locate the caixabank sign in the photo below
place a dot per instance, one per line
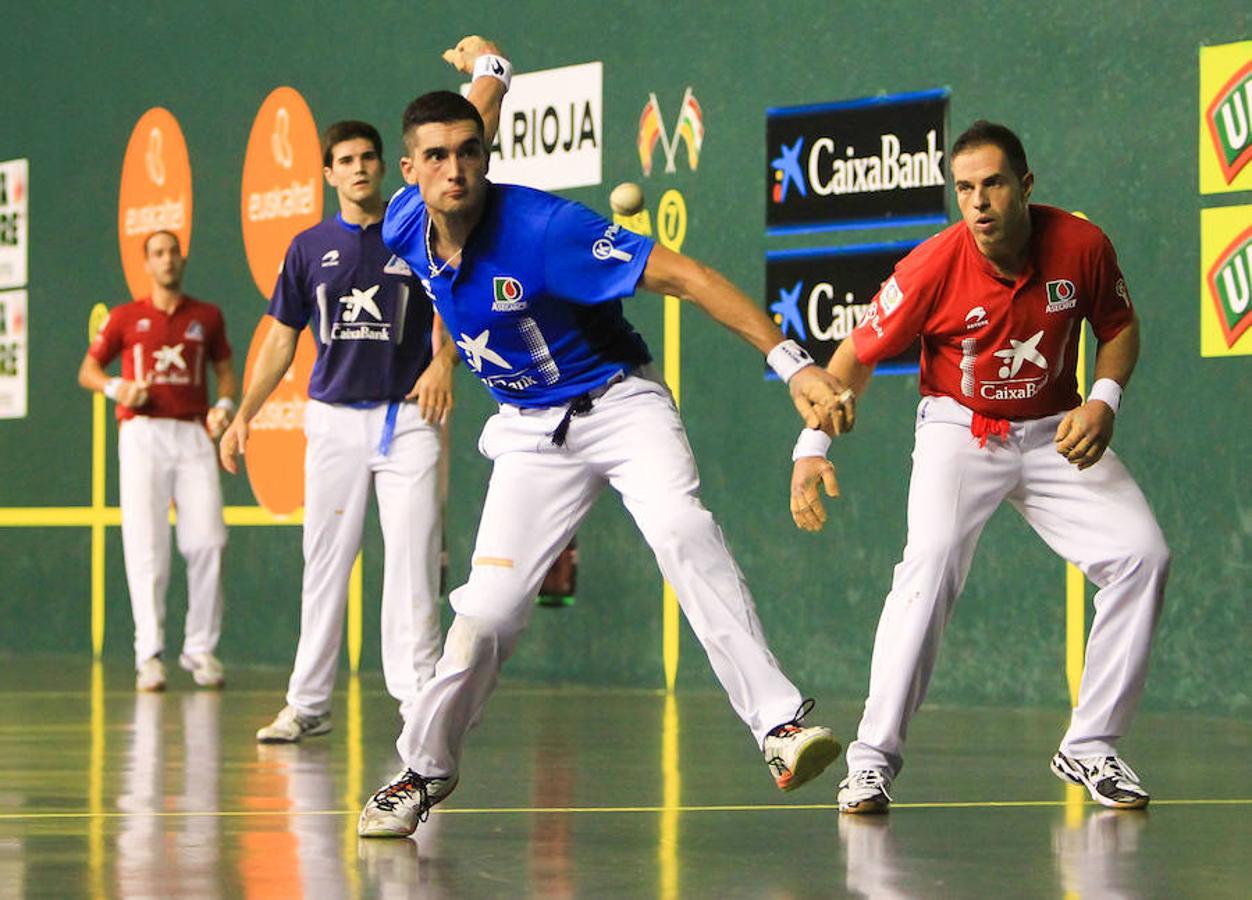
(857, 163)
(818, 296)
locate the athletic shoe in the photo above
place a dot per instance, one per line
(795, 754)
(1108, 779)
(205, 668)
(397, 808)
(864, 791)
(150, 676)
(289, 727)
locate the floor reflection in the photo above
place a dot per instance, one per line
(160, 854)
(1100, 856)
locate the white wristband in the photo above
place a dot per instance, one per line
(111, 387)
(788, 358)
(1108, 390)
(811, 442)
(225, 403)
(491, 66)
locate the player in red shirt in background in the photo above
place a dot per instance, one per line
(167, 341)
(998, 301)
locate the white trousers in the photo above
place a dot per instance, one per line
(1097, 519)
(341, 461)
(163, 461)
(632, 440)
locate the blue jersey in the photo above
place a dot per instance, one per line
(535, 304)
(370, 317)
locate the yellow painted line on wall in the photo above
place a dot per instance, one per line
(1075, 583)
(671, 230)
(354, 615)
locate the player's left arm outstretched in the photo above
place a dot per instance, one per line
(817, 395)
(1085, 432)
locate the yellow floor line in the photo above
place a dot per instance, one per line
(565, 810)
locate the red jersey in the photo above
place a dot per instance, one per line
(169, 350)
(1003, 348)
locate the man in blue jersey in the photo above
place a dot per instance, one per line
(529, 288)
(372, 323)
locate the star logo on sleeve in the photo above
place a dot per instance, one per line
(476, 350)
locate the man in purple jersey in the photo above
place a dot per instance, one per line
(372, 323)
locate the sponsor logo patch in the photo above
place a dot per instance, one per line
(330, 258)
(975, 318)
(890, 296)
(604, 248)
(507, 293)
(1062, 295)
(397, 266)
(195, 331)
(688, 129)
(1013, 359)
(143, 325)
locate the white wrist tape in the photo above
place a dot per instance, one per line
(227, 404)
(491, 66)
(811, 442)
(111, 387)
(788, 358)
(1108, 390)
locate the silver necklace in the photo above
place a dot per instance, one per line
(435, 271)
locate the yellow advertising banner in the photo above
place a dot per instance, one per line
(1226, 118)
(1226, 281)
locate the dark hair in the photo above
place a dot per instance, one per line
(441, 107)
(177, 243)
(982, 133)
(348, 130)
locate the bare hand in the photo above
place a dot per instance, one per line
(216, 421)
(822, 401)
(233, 443)
(1085, 432)
(433, 392)
(132, 393)
(806, 504)
(463, 56)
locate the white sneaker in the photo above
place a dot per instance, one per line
(1108, 779)
(289, 726)
(205, 668)
(150, 676)
(396, 808)
(864, 791)
(795, 754)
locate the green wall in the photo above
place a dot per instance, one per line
(1104, 95)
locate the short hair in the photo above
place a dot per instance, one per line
(441, 107)
(178, 245)
(982, 133)
(347, 130)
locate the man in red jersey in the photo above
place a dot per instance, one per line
(167, 342)
(998, 301)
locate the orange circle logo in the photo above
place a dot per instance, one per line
(155, 194)
(282, 183)
(274, 456)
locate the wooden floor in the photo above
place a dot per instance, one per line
(576, 792)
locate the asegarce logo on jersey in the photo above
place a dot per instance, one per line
(507, 293)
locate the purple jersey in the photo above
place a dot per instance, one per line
(369, 315)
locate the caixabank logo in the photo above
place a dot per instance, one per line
(1226, 118)
(817, 297)
(1226, 281)
(857, 163)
